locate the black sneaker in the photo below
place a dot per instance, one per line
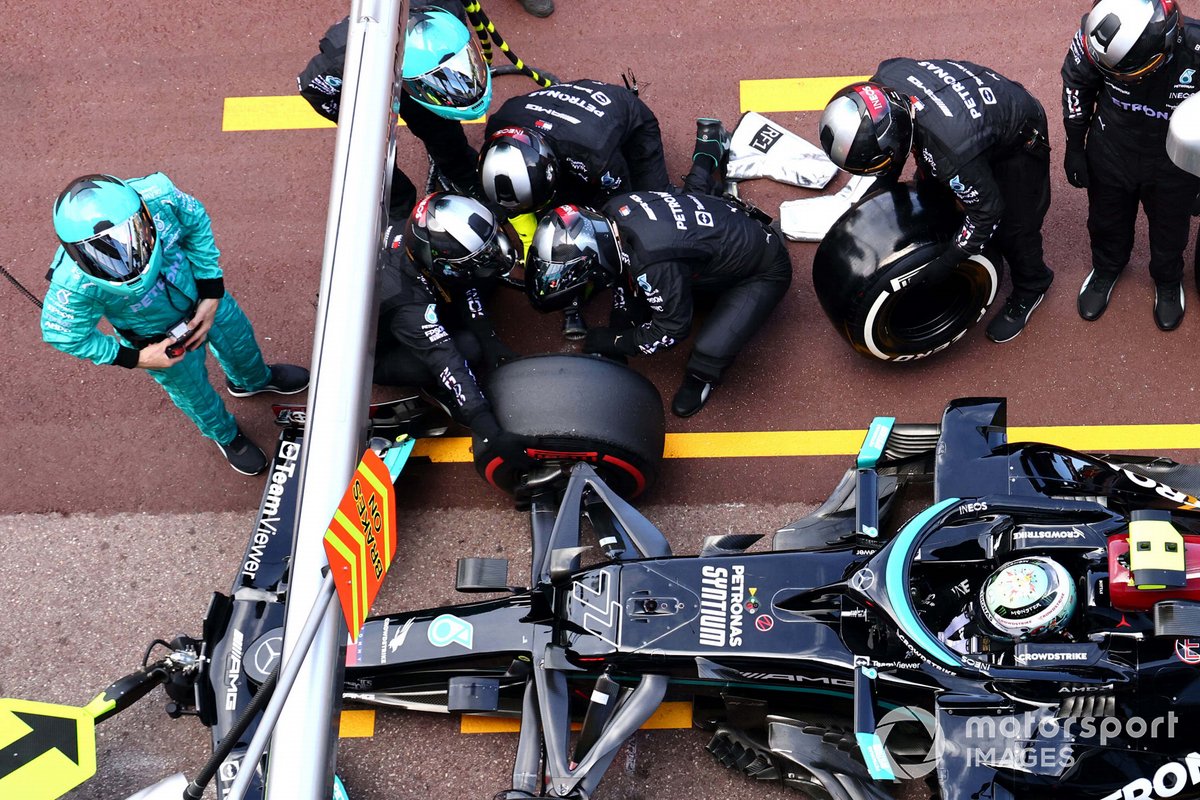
(574, 326)
(285, 379)
(691, 396)
(1094, 294)
(1168, 305)
(1008, 324)
(243, 455)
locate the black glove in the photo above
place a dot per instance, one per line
(496, 352)
(1075, 164)
(611, 342)
(938, 269)
(498, 442)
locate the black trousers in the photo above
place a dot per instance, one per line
(740, 309)
(1120, 181)
(400, 366)
(1024, 181)
(447, 145)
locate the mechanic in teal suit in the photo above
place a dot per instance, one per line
(141, 254)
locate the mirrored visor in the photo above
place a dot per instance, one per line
(459, 81)
(119, 254)
(556, 276)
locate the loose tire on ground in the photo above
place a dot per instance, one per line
(578, 408)
(864, 267)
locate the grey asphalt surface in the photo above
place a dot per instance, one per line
(87, 593)
(119, 520)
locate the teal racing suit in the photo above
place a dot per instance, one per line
(190, 273)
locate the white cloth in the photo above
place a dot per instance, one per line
(810, 219)
(762, 149)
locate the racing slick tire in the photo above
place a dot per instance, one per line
(572, 407)
(864, 267)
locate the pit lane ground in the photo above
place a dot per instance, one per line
(126, 519)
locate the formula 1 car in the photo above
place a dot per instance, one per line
(1035, 630)
(1032, 628)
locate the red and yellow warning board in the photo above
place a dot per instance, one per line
(361, 539)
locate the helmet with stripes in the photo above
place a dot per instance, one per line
(867, 128)
(1128, 39)
(459, 240)
(106, 229)
(518, 169)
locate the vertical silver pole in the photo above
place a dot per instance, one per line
(303, 748)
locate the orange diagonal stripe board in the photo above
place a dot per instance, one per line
(361, 539)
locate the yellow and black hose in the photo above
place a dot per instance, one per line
(487, 33)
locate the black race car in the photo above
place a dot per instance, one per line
(1001, 620)
(1034, 630)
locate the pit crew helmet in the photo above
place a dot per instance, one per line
(1128, 39)
(519, 170)
(867, 128)
(575, 251)
(459, 240)
(443, 68)
(106, 229)
(1029, 598)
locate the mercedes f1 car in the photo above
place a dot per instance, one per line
(1002, 620)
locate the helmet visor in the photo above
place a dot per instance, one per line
(552, 284)
(119, 254)
(459, 81)
(495, 259)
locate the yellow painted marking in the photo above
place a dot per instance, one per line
(793, 94)
(357, 724)
(279, 113)
(761, 444)
(291, 112)
(668, 716)
(44, 770)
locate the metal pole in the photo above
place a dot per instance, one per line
(288, 670)
(303, 748)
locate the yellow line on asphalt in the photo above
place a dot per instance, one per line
(668, 716)
(761, 444)
(357, 724)
(792, 94)
(277, 113)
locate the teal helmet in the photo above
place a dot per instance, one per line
(106, 229)
(443, 67)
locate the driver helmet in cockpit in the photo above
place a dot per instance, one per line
(1030, 598)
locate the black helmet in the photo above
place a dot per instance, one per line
(518, 170)
(574, 252)
(1128, 39)
(458, 239)
(867, 128)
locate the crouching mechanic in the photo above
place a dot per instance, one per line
(140, 253)
(445, 79)
(432, 321)
(580, 142)
(658, 250)
(974, 130)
